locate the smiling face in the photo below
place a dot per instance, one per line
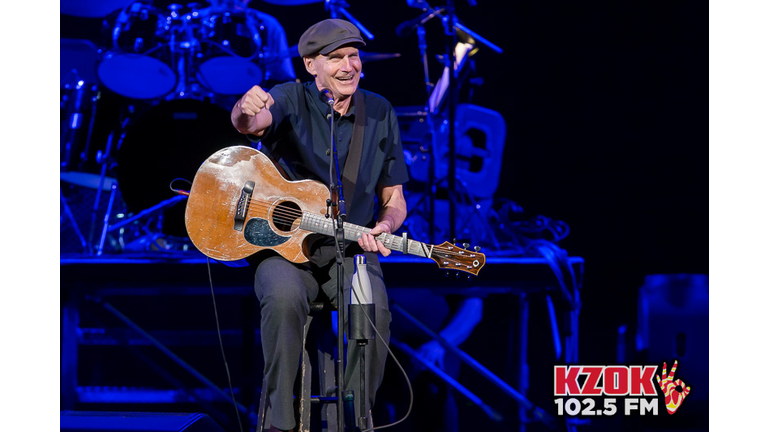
(337, 71)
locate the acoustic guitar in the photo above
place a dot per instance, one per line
(240, 204)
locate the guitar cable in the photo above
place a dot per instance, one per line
(179, 191)
(216, 317)
(221, 344)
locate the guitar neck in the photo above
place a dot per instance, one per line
(327, 226)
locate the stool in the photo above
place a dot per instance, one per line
(320, 348)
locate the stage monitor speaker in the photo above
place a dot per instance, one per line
(673, 324)
(480, 141)
(105, 421)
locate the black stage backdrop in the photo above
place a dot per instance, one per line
(606, 105)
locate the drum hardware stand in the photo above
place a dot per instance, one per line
(147, 212)
(112, 193)
(94, 105)
(102, 159)
(422, 33)
(183, 52)
(75, 112)
(431, 189)
(474, 209)
(339, 6)
(450, 28)
(429, 196)
(71, 218)
(453, 96)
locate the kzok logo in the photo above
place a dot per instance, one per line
(617, 380)
(673, 398)
(625, 381)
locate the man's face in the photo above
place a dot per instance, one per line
(337, 71)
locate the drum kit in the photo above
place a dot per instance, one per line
(147, 100)
(153, 53)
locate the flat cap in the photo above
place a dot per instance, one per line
(327, 35)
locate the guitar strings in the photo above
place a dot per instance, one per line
(287, 215)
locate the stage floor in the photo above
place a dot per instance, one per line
(139, 331)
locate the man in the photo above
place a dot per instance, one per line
(291, 122)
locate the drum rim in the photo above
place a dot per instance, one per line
(113, 55)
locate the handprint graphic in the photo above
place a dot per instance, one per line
(673, 398)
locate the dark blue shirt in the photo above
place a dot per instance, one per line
(300, 136)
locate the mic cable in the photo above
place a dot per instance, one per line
(389, 350)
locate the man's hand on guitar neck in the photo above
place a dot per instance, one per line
(368, 241)
(391, 216)
(251, 115)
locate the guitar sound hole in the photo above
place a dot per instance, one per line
(285, 214)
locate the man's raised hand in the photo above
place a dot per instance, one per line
(251, 113)
(255, 100)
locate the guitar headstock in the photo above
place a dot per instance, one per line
(452, 257)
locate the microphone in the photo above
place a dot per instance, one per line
(328, 96)
(407, 27)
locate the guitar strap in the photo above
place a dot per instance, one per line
(352, 164)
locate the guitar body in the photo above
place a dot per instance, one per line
(240, 204)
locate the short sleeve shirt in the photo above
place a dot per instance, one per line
(300, 137)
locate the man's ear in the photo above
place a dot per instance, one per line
(309, 65)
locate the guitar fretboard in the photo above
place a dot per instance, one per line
(327, 226)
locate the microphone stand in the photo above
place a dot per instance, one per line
(340, 213)
(449, 23)
(422, 33)
(339, 6)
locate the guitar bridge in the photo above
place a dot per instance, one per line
(242, 205)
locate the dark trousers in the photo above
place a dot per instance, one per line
(284, 291)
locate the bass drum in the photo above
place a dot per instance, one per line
(164, 148)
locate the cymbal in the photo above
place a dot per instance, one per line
(291, 2)
(369, 56)
(88, 180)
(91, 8)
(79, 58)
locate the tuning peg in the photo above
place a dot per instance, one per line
(447, 273)
(469, 277)
(455, 240)
(458, 275)
(466, 245)
(477, 248)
